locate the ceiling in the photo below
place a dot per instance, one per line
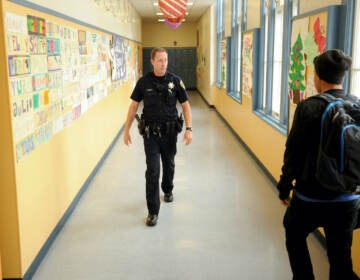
(148, 11)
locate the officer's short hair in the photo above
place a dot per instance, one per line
(156, 50)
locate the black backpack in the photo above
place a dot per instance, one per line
(338, 159)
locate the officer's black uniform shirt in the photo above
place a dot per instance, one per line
(160, 95)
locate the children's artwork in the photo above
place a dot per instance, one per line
(118, 58)
(56, 73)
(36, 25)
(16, 24)
(247, 64)
(19, 65)
(223, 63)
(308, 39)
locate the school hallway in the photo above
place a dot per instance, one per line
(225, 221)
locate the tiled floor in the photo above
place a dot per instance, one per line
(225, 221)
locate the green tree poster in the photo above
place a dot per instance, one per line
(296, 75)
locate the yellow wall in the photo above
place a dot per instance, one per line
(36, 191)
(309, 5)
(9, 237)
(205, 55)
(159, 35)
(253, 18)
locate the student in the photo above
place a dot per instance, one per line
(160, 90)
(312, 205)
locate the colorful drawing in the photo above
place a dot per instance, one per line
(247, 64)
(308, 39)
(56, 73)
(223, 63)
(19, 65)
(36, 25)
(118, 58)
(296, 74)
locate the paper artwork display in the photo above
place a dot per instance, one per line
(50, 65)
(223, 63)
(308, 39)
(247, 64)
(118, 58)
(56, 73)
(36, 25)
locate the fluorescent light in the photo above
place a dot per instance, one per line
(159, 14)
(190, 3)
(155, 4)
(161, 20)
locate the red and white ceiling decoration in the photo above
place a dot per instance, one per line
(174, 11)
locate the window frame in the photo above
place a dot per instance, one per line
(264, 111)
(234, 50)
(354, 22)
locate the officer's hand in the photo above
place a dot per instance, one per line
(127, 138)
(187, 137)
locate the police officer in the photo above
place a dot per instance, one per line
(160, 123)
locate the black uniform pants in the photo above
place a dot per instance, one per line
(157, 148)
(338, 220)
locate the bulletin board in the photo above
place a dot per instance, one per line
(57, 73)
(310, 37)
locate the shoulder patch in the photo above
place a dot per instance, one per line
(182, 84)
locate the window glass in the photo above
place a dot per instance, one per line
(219, 37)
(355, 71)
(277, 61)
(266, 43)
(239, 42)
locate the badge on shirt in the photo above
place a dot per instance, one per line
(171, 85)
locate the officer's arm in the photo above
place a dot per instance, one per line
(134, 105)
(188, 121)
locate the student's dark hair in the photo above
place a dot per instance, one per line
(331, 66)
(156, 50)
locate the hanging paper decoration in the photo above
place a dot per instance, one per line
(174, 11)
(172, 25)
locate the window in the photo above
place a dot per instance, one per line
(234, 54)
(272, 100)
(355, 71)
(277, 59)
(219, 38)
